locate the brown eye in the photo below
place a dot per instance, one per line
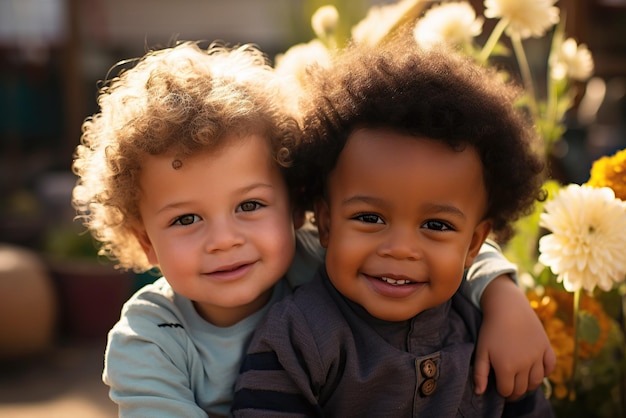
(370, 218)
(437, 225)
(186, 219)
(249, 206)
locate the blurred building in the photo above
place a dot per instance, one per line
(53, 52)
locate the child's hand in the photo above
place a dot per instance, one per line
(512, 340)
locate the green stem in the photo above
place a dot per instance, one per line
(552, 116)
(555, 46)
(524, 67)
(572, 389)
(330, 41)
(491, 43)
(552, 119)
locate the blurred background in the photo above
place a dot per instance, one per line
(57, 299)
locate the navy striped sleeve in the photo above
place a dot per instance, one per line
(263, 401)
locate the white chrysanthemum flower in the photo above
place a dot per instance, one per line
(292, 65)
(573, 61)
(299, 57)
(380, 20)
(525, 17)
(324, 21)
(586, 246)
(451, 23)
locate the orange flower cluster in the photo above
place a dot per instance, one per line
(561, 338)
(554, 309)
(588, 304)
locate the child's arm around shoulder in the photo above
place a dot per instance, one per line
(512, 340)
(282, 366)
(146, 373)
(489, 264)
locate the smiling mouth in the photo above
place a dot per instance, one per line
(395, 282)
(230, 269)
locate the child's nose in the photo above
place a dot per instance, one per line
(401, 243)
(222, 235)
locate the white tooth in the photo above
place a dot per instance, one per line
(394, 282)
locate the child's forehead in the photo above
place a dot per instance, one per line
(245, 148)
(191, 150)
(381, 152)
(392, 141)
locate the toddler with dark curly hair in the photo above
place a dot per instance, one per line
(419, 156)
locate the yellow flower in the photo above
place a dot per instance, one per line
(452, 23)
(610, 172)
(381, 20)
(525, 18)
(573, 61)
(586, 246)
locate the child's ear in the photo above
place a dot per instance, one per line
(146, 245)
(481, 232)
(322, 219)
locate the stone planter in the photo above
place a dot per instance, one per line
(28, 304)
(90, 295)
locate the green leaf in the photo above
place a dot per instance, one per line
(522, 248)
(588, 327)
(546, 278)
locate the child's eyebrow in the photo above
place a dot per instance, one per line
(362, 199)
(253, 186)
(444, 208)
(242, 190)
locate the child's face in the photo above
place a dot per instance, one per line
(219, 227)
(403, 218)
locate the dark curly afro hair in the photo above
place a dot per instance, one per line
(433, 93)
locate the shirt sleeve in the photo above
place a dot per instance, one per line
(281, 367)
(488, 264)
(146, 372)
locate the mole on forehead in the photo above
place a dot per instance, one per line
(176, 164)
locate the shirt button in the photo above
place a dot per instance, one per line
(428, 368)
(428, 387)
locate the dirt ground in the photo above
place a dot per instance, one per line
(63, 383)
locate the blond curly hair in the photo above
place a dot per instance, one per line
(176, 101)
